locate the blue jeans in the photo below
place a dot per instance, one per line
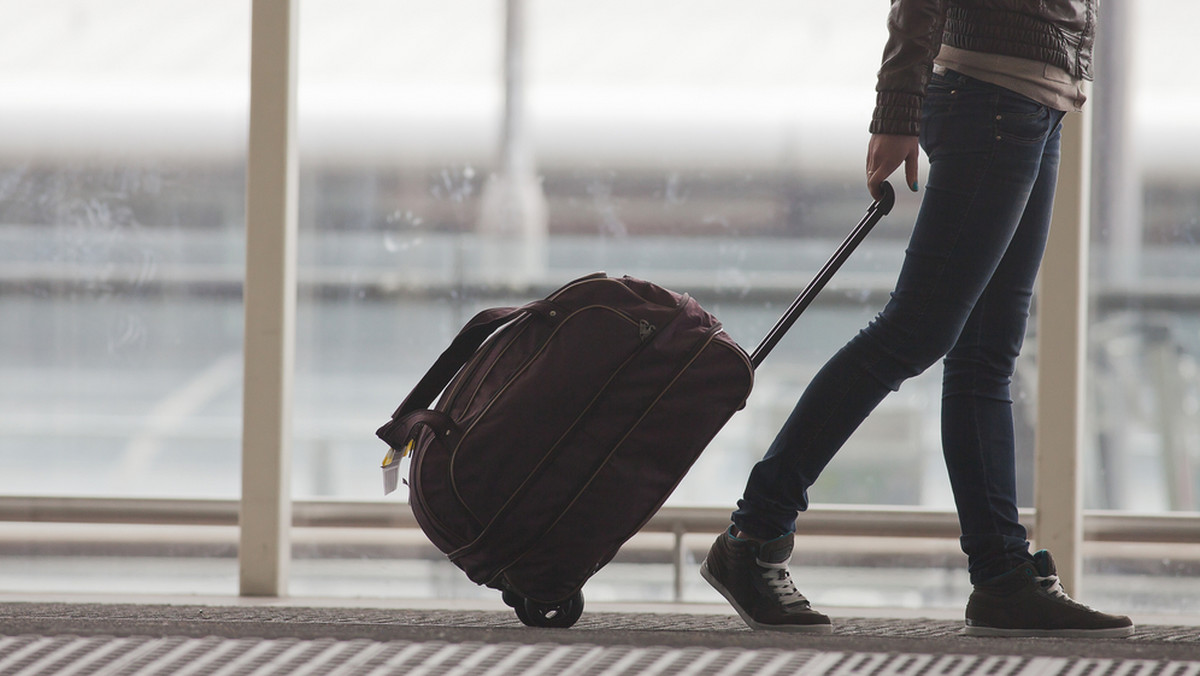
(963, 293)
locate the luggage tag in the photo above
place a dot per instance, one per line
(391, 467)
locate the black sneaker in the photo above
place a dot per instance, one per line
(754, 578)
(1030, 601)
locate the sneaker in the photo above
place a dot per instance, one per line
(754, 578)
(1030, 601)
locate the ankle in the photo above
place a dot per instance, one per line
(759, 541)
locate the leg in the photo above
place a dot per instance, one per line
(973, 204)
(977, 418)
(963, 292)
(977, 423)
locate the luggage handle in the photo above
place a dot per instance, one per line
(878, 209)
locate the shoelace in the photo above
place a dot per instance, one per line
(779, 581)
(1052, 585)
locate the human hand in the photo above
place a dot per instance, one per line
(885, 153)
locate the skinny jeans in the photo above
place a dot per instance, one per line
(963, 295)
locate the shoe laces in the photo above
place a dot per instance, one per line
(779, 582)
(1053, 586)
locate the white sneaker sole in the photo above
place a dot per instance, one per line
(750, 621)
(1112, 632)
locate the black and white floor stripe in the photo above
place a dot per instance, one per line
(30, 655)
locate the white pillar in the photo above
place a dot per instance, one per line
(513, 224)
(270, 301)
(1062, 360)
(1117, 197)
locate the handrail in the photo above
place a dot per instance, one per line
(838, 520)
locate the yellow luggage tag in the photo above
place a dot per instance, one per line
(391, 467)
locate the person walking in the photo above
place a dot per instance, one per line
(982, 88)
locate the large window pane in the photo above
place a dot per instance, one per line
(1146, 319)
(121, 228)
(121, 261)
(1143, 451)
(709, 148)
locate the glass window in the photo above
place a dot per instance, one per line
(1144, 442)
(121, 245)
(121, 262)
(710, 149)
(1145, 320)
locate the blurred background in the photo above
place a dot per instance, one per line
(448, 164)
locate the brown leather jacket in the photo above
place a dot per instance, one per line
(1058, 32)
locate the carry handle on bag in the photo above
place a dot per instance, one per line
(413, 411)
(878, 209)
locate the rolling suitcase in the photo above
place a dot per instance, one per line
(564, 424)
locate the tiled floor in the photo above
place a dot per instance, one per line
(239, 637)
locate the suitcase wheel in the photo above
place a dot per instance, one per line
(517, 602)
(554, 615)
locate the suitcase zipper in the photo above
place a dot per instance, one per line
(474, 363)
(645, 328)
(731, 344)
(416, 497)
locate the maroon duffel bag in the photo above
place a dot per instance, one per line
(563, 425)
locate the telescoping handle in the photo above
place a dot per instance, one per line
(878, 209)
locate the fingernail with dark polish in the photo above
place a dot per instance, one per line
(914, 186)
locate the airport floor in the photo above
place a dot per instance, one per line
(124, 635)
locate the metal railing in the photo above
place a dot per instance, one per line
(840, 520)
(827, 520)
